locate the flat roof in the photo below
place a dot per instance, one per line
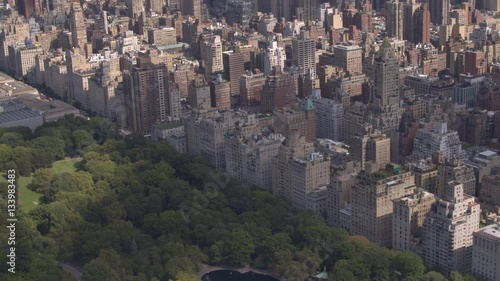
(5, 78)
(491, 231)
(18, 114)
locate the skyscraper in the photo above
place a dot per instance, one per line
(199, 92)
(77, 25)
(135, 7)
(349, 58)
(440, 11)
(303, 53)
(329, 119)
(220, 93)
(386, 76)
(408, 14)
(448, 229)
(303, 121)
(148, 96)
(251, 85)
(234, 67)
(278, 91)
(212, 50)
(274, 57)
(394, 22)
(421, 25)
(191, 7)
(309, 8)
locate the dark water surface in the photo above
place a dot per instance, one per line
(230, 275)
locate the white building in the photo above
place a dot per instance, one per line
(486, 252)
(438, 138)
(448, 229)
(205, 134)
(213, 54)
(301, 174)
(250, 158)
(128, 43)
(329, 119)
(274, 57)
(407, 219)
(267, 23)
(323, 10)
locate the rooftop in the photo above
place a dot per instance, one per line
(19, 114)
(490, 231)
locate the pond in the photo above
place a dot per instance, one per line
(231, 275)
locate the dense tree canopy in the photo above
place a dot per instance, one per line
(137, 210)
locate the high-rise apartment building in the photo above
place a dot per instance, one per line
(386, 76)
(286, 121)
(426, 174)
(205, 133)
(249, 158)
(372, 146)
(349, 58)
(448, 228)
(77, 26)
(234, 67)
(440, 11)
(329, 119)
(155, 6)
(486, 252)
(212, 52)
(301, 175)
(421, 25)
(408, 16)
(490, 191)
(278, 91)
(340, 195)
(437, 138)
(22, 58)
(303, 53)
(458, 172)
(199, 92)
(274, 58)
(306, 10)
(408, 218)
(191, 7)
(372, 197)
(220, 93)
(394, 21)
(251, 85)
(162, 36)
(147, 95)
(135, 8)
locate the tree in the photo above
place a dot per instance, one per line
(82, 139)
(99, 270)
(408, 264)
(41, 158)
(185, 276)
(41, 180)
(12, 139)
(6, 154)
(239, 247)
(53, 145)
(22, 158)
(455, 276)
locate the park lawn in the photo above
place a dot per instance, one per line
(29, 199)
